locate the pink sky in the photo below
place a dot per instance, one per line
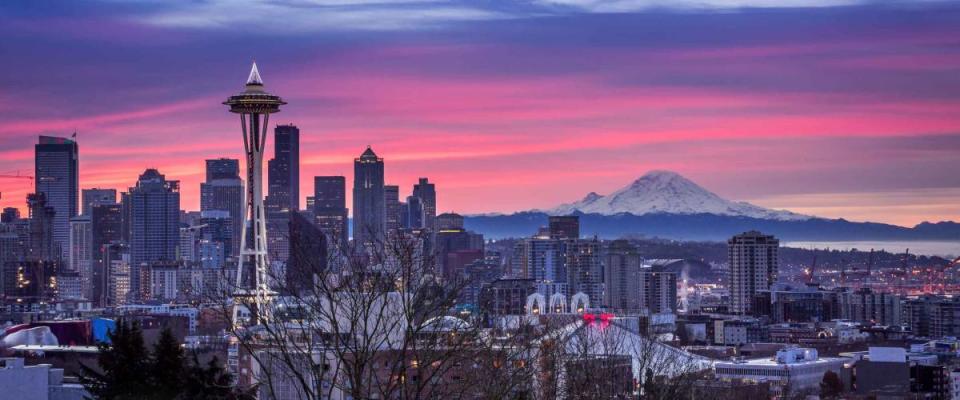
(820, 114)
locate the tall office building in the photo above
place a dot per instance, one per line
(222, 168)
(223, 191)
(284, 169)
(284, 185)
(57, 177)
(391, 204)
(106, 226)
(41, 245)
(81, 252)
(754, 264)
(330, 209)
(564, 227)
(428, 196)
(155, 209)
(369, 222)
(308, 253)
(415, 216)
(95, 197)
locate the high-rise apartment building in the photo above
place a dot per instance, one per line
(427, 193)
(81, 252)
(95, 197)
(583, 264)
(369, 222)
(155, 228)
(391, 204)
(57, 177)
(223, 191)
(622, 276)
(330, 209)
(659, 290)
(541, 259)
(754, 264)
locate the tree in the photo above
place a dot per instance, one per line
(127, 371)
(123, 366)
(167, 367)
(831, 386)
(210, 382)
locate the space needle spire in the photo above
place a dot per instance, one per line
(252, 296)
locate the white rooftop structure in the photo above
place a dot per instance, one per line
(796, 368)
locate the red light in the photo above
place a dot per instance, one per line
(589, 318)
(606, 317)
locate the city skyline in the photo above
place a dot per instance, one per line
(757, 105)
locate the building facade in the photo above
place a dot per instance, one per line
(754, 265)
(57, 177)
(369, 211)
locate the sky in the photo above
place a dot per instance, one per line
(835, 108)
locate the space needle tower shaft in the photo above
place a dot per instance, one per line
(252, 295)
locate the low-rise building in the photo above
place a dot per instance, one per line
(796, 370)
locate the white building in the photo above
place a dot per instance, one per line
(81, 253)
(800, 369)
(35, 382)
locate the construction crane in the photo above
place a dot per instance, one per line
(15, 175)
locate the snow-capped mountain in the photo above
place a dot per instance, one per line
(667, 192)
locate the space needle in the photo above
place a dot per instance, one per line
(254, 104)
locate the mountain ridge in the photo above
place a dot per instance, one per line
(661, 191)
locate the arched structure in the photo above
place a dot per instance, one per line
(579, 303)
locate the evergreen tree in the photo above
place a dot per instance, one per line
(831, 386)
(210, 382)
(123, 366)
(167, 367)
(128, 372)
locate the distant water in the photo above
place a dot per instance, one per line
(922, 247)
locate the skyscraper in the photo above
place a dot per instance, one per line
(155, 209)
(391, 204)
(428, 197)
(57, 177)
(95, 197)
(223, 168)
(42, 245)
(369, 222)
(284, 185)
(414, 218)
(330, 208)
(284, 169)
(754, 265)
(564, 227)
(106, 227)
(308, 253)
(223, 191)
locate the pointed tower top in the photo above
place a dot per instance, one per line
(254, 78)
